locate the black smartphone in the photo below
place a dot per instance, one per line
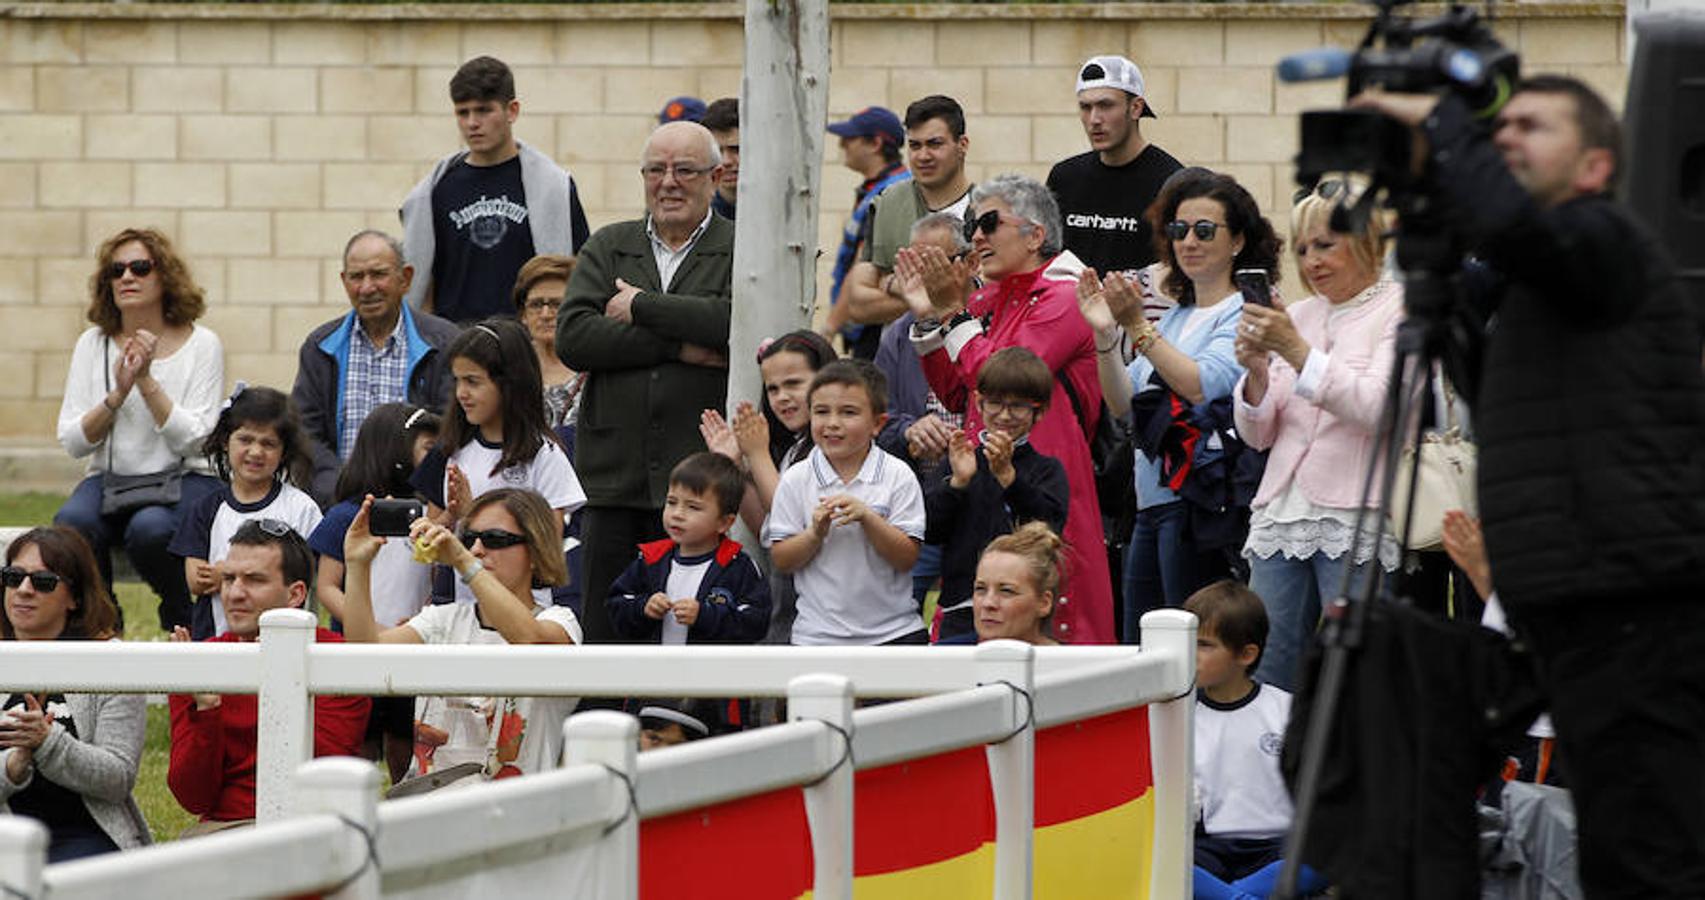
(392, 518)
(1253, 284)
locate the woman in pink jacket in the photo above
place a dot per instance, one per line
(1029, 300)
(1316, 383)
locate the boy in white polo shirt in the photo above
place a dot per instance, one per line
(848, 523)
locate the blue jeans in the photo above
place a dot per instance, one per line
(144, 534)
(1259, 884)
(1294, 591)
(1162, 565)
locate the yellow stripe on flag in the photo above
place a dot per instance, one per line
(1102, 855)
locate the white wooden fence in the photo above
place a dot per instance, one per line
(322, 830)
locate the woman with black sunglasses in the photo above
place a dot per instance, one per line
(69, 760)
(1027, 300)
(142, 392)
(1206, 227)
(510, 541)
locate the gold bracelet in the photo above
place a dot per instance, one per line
(1146, 338)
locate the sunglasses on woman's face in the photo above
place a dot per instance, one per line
(492, 538)
(1205, 230)
(44, 582)
(986, 223)
(138, 267)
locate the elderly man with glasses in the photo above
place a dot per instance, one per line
(646, 317)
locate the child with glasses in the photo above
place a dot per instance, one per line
(509, 541)
(992, 483)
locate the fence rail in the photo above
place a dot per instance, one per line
(322, 828)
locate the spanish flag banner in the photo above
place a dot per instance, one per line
(926, 827)
(1095, 808)
(754, 847)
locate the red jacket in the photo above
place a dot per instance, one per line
(1040, 314)
(212, 771)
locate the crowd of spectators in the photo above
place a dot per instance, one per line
(529, 379)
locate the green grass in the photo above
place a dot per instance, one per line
(29, 509)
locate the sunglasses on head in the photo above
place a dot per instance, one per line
(44, 581)
(1205, 230)
(492, 538)
(986, 223)
(138, 267)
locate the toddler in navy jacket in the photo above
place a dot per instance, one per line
(696, 586)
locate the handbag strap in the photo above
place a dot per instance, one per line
(106, 377)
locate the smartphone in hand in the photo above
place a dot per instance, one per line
(392, 518)
(1254, 286)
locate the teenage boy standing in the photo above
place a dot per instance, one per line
(484, 211)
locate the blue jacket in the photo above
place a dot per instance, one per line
(734, 599)
(323, 364)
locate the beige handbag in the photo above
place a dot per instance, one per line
(1446, 481)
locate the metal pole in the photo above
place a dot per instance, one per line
(784, 109)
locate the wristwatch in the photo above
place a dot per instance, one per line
(470, 572)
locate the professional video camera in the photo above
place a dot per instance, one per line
(1455, 51)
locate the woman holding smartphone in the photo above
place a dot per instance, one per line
(1317, 377)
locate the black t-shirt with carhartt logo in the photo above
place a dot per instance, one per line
(1102, 206)
(58, 807)
(482, 238)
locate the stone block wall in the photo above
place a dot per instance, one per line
(260, 137)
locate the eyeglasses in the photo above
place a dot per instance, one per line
(141, 268)
(43, 581)
(492, 538)
(991, 407)
(534, 304)
(1205, 230)
(273, 527)
(986, 223)
(683, 174)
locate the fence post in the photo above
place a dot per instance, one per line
(286, 718)
(829, 802)
(23, 854)
(1171, 749)
(1012, 767)
(348, 788)
(607, 738)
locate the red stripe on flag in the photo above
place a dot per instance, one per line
(1087, 767)
(690, 854)
(922, 811)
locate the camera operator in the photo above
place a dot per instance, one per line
(1591, 422)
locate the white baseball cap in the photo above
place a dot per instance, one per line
(1114, 72)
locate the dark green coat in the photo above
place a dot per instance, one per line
(639, 415)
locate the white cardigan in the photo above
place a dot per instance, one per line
(194, 377)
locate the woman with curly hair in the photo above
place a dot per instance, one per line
(1206, 227)
(141, 394)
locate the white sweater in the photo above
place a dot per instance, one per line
(194, 377)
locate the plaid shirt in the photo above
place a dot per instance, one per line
(374, 377)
